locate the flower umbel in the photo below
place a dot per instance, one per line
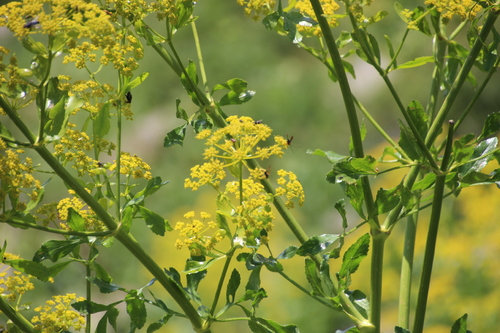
(58, 316)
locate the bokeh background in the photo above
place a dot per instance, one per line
(296, 98)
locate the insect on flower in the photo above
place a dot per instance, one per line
(267, 172)
(289, 140)
(257, 122)
(128, 97)
(31, 22)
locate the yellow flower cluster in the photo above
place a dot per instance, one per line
(290, 188)
(329, 8)
(193, 234)
(91, 222)
(15, 175)
(465, 9)
(134, 166)
(231, 147)
(257, 8)
(68, 18)
(13, 285)
(58, 316)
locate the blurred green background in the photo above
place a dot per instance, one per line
(296, 98)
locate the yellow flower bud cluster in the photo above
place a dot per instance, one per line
(329, 8)
(465, 9)
(257, 8)
(246, 201)
(13, 284)
(58, 316)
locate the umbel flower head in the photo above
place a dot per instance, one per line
(58, 316)
(244, 201)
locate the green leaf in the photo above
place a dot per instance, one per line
(136, 309)
(135, 82)
(155, 222)
(420, 61)
(232, 286)
(358, 298)
(193, 281)
(355, 167)
(398, 329)
(57, 249)
(425, 182)
(313, 278)
(75, 221)
(180, 113)
(392, 54)
(352, 258)
(55, 108)
(355, 193)
(271, 20)
(408, 142)
(484, 148)
(105, 287)
(274, 327)
(353, 329)
(36, 269)
(460, 326)
(340, 207)
(57, 268)
(184, 11)
(100, 272)
(89, 307)
(330, 155)
(316, 244)
(238, 92)
(159, 324)
(419, 117)
(193, 266)
(254, 280)
(288, 253)
(175, 136)
(189, 80)
(387, 199)
(101, 123)
(33, 46)
(491, 126)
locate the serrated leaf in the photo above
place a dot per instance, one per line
(57, 249)
(356, 198)
(254, 280)
(419, 117)
(180, 113)
(313, 277)
(75, 221)
(136, 309)
(33, 268)
(358, 298)
(105, 287)
(460, 325)
(193, 281)
(316, 244)
(356, 167)
(155, 222)
(100, 272)
(288, 253)
(408, 142)
(352, 258)
(175, 136)
(89, 307)
(102, 123)
(491, 126)
(159, 324)
(340, 207)
(484, 148)
(232, 286)
(387, 199)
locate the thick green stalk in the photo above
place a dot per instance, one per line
(225, 269)
(440, 45)
(430, 246)
(177, 293)
(16, 317)
(406, 272)
(436, 126)
(376, 276)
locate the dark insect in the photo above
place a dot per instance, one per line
(257, 122)
(31, 22)
(289, 140)
(128, 97)
(267, 172)
(100, 165)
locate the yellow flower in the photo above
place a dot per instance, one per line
(291, 188)
(57, 315)
(192, 234)
(329, 8)
(132, 165)
(257, 8)
(465, 9)
(92, 223)
(15, 284)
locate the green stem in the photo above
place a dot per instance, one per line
(229, 256)
(406, 271)
(376, 277)
(430, 247)
(58, 231)
(16, 317)
(396, 54)
(436, 126)
(200, 59)
(440, 45)
(177, 293)
(88, 287)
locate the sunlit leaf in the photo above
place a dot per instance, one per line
(288, 253)
(352, 259)
(484, 148)
(316, 244)
(36, 269)
(420, 61)
(425, 182)
(460, 325)
(57, 249)
(491, 126)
